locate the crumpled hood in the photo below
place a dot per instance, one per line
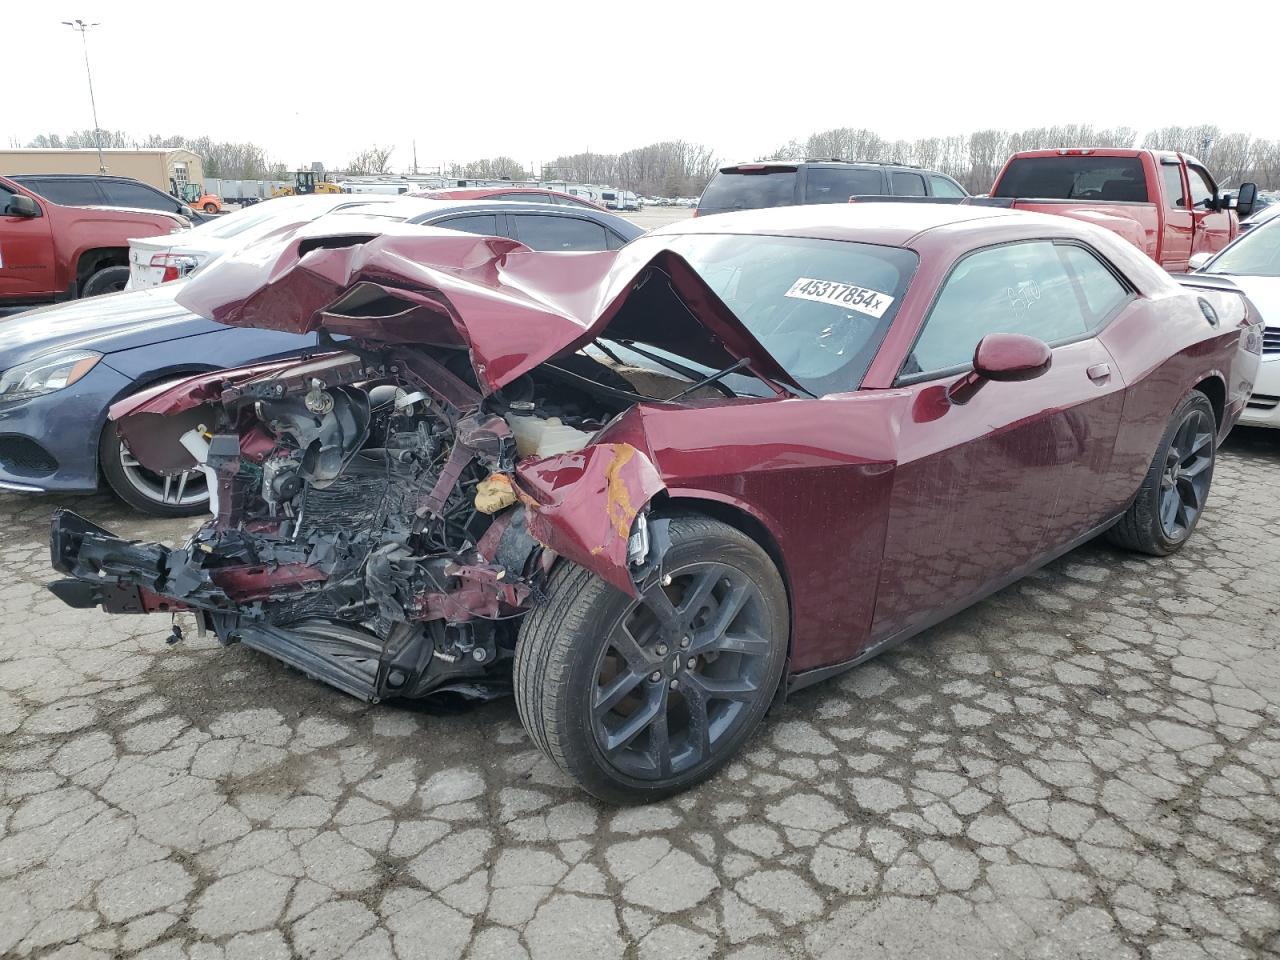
(512, 308)
(118, 321)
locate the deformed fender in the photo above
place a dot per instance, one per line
(582, 505)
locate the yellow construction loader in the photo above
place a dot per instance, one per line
(306, 182)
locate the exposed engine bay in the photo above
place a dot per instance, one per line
(385, 511)
(370, 526)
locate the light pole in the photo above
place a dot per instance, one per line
(83, 28)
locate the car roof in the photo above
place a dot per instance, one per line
(885, 223)
(75, 176)
(415, 208)
(814, 162)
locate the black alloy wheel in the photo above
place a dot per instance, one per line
(680, 670)
(1188, 469)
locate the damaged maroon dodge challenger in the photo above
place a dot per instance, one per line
(652, 490)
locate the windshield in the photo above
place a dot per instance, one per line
(819, 307)
(1255, 254)
(734, 190)
(1074, 178)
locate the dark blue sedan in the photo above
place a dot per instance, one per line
(62, 367)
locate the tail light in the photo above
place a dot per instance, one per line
(695, 211)
(175, 265)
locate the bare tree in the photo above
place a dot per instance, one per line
(369, 162)
(497, 168)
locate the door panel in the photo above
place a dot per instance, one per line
(26, 254)
(986, 488)
(1212, 227)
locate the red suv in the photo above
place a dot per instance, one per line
(49, 252)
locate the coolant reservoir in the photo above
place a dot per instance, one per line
(542, 436)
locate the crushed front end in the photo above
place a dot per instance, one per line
(378, 522)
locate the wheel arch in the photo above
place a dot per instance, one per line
(94, 259)
(739, 516)
(149, 379)
(1215, 388)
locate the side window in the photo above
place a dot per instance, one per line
(559, 233)
(1202, 189)
(69, 193)
(1016, 288)
(122, 194)
(615, 242)
(524, 197)
(485, 224)
(834, 184)
(907, 184)
(1172, 173)
(945, 187)
(1102, 290)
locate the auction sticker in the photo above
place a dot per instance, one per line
(871, 302)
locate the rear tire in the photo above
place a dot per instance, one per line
(210, 208)
(587, 659)
(1172, 496)
(106, 280)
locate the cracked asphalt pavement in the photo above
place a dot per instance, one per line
(1085, 765)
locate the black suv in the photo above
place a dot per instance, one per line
(103, 190)
(773, 183)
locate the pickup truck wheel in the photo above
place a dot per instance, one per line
(106, 280)
(183, 493)
(1173, 493)
(634, 710)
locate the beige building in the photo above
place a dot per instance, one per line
(157, 167)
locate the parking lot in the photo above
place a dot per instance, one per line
(1085, 765)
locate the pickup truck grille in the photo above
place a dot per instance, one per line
(1271, 340)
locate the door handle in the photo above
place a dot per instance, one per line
(1099, 372)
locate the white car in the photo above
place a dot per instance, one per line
(157, 260)
(1252, 263)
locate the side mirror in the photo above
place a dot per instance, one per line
(1198, 261)
(20, 206)
(186, 211)
(1005, 358)
(1246, 198)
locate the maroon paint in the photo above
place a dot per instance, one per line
(886, 507)
(582, 505)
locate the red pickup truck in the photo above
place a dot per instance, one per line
(1167, 204)
(49, 252)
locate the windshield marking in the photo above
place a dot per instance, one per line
(871, 302)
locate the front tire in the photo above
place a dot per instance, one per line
(1173, 493)
(636, 711)
(106, 280)
(210, 208)
(182, 494)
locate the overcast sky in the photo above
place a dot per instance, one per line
(315, 81)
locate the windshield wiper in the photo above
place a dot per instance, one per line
(667, 362)
(714, 378)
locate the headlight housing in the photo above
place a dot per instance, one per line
(45, 374)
